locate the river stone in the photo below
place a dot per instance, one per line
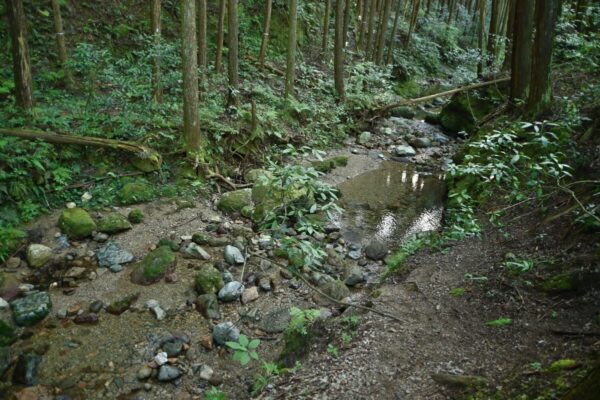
(173, 348)
(233, 255)
(135, 192)
(9, 286)
(354, 276)
(7, 334)
(26, 370)
(404, 151)
(144, 373)
(336, 289)
(120, 306)
(76, 223)
(249, 295)
(31, 309)
(208, 306)
(192, 250)
(420, 143)
(206, 373)
(275, 321)
(376, 250)
(268, 196)
(225, 332)
(403, 112)
(231, 202)
(38, 255)
(208, 280)
(113, 223)
(364, 138)
(167, 373)
(231, 291)
(154, 266)
(112, 254)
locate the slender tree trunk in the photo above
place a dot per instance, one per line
(17, 25)
(390, 54)
(370, 27)
(232, 65)
(347, 10)
(191, 123)
(522, 49)
(61, 48)
(262, 55)
(540, 95)
(493, 32)
(481, 37)
(157, 94)
(510, 27)
(413, 21)
(202, 36)
(326, 15)
(220, 36)
(363, 25)
(338, 59)
(383, 31)
(290, 73)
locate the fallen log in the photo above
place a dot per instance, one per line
(266, 65)
(408, 102)
(145, 158)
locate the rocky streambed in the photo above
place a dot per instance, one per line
(137, 301)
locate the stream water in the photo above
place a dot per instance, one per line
(391, 203)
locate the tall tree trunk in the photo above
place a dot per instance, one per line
(17, 25)
(232, 43)
(157, 94)
(481, 37)
(522, 49)
(61, 48)
(546, 15)
(413, 21)
(370, 28)
(338, 59)
(326, 15)
(510, 28)
(202, 35)
(347, 10)
(390, 54)
(191, 123)
(264, 44)
(220, 36)
(363, 25)
(494, 32)
(385, 17)
(290, 73)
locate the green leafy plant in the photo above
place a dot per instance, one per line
(244, 349)
(519, 266)
(499, 322)
(301, 320)
(214, 394)
(331, 349)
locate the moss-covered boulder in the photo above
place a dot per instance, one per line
(231, 202)
(7, 334)
(118, 307)
(208, 281)
(329, 164)
(254, 175)
(135, 192)
(154, 266)
(9, 286)
(147, 162)
(268, 197)
(136, 216)
(76, 223)
(463, 111)
(403, 112)
(113, 223)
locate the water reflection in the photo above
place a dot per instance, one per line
(390, 203)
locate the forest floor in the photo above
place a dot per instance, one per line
(444, 299)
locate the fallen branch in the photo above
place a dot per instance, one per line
(266, 65)
(385, 109)
(573, 333)
(319, 292)
(141, 152)
(233, 186)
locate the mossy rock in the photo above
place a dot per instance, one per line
(113, 223)
(149, 163)
(269, 198)
(76, 223)
(235, 201)
(7, 334)
(135, 193)
(563, 364)
(404, 112)
(154, 266)
(560, 283)
(9, 285)
(120, 306)
(329, 164)
(174, 246)
(463, 111)
(254, 175)
(208, 281)
(31, 309)
(136, 216)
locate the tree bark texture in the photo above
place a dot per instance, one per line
(232, 65)
(157, 94)
(61, 47)
(191, 123)
(220, 36)
(338, 59)
(522, 49)
(264, 44)
(17, 25)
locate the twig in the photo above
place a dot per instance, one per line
(574, 196)
(573, 333)
(342, 303)
(232, 185)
